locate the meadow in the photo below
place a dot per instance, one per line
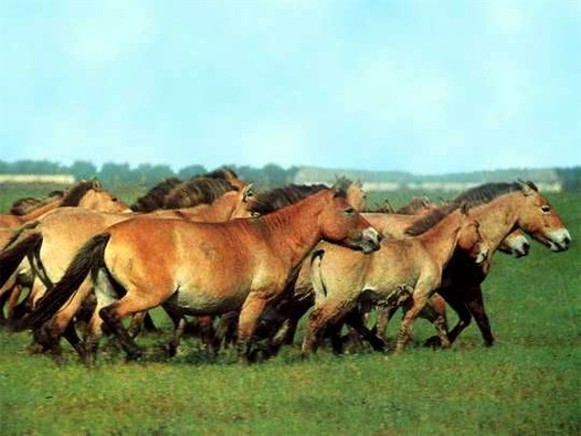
(527, 383)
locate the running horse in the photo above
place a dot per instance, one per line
(85, 195)
(204, 268)
(54, 240)
(415, 265)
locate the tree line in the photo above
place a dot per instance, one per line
(146, 175)
(272, 175)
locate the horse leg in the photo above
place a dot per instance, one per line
(328, 313)
(226, 331)
(112, 316)
(148, 324)
(287, 332)
(420, 298)
(252, 309)
(93, 333)
(475, 304)
(208, 333)
(454, 298)
(384, 315)
(179, 323)
(356, 320)
(49, 334)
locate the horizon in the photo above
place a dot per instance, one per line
(420, 87)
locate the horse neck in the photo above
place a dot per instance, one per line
(497, 218)
(39, 211)
(219, 210)
(294, 230)
(440, 241)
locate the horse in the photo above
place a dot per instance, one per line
(203, 268)
(341, 279)
(86, 194)
(52, 245)
(499, 207)
(173, 193)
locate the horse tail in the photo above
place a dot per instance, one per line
(15, 251)
(89, 258)
(316, 275)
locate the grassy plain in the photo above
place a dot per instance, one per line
(528, 383)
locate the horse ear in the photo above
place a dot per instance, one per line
(247, 192)
(338, 191)
(527, 187)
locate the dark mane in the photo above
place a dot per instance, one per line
(470, 198)
(201, 190)
(414, 205)
(76, 193)
(28, 204)
(269, 201)
(430, 219)
(155, 197)
(489, 191)
(220, 173)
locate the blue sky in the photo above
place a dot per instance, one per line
(423, 86)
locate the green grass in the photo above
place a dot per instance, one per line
(528, 383)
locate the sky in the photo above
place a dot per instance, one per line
(424, 86)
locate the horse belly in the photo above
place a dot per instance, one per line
(206, 302)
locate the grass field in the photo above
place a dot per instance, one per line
(528, 383)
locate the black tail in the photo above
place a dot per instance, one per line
(88, 258)
(14, 253)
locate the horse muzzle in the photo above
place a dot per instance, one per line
(370, 240)
(557, 240)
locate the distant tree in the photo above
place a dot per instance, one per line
(191, 171)
(114, 173)
(36, 167)
(82, 170)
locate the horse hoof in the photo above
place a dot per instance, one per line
(433, 342)
(134, 355)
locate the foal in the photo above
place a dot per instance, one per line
(342, 279)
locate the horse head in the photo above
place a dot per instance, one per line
(516, 243)
(340, 223)
(470, 239)
(538, 218)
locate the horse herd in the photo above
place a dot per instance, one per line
(211, 248)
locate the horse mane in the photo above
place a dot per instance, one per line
(155, 197)
(470, 198)
(430, 219)
(200, 190)
(489, 191)
(270, 201)
(220, 173)
(26, 205)
(414, 205)
(74, 195)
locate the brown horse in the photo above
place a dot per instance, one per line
(500, 208)
(52, 245)
(516, 244)
(86, 194)
(342, 279)
(167, 192)
(203, 269)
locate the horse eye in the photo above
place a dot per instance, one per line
(349, 211)
(546, 208)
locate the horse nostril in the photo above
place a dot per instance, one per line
(526, 248)
(567, 240)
